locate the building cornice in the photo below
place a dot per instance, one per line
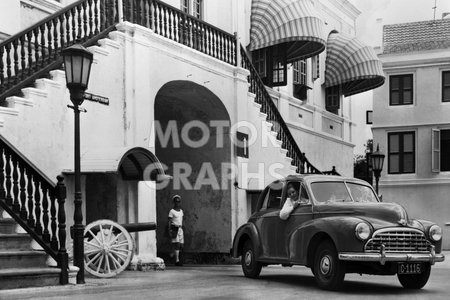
(418, 59)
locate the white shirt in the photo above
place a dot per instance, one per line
(176, 216)
(288, 207)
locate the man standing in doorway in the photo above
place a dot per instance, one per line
(175, 228)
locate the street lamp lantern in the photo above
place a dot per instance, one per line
(377, 164)
(77, 65)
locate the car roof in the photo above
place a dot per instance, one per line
(319, 177)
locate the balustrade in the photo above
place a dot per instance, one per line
(28, 196)
(36, 50)
(183, 28)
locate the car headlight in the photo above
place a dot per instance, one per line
(362, 231)
(435, 233)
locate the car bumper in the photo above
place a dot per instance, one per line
(382, 257)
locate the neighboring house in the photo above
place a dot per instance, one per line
(163, 65)
(411, 120)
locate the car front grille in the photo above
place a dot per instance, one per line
(398, 240)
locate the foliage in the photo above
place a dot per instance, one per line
(361, 169)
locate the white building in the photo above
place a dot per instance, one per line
(184, 70)
(411, 119)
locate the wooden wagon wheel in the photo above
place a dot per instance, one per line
(108, 248)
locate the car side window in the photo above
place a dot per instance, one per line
(274, 198)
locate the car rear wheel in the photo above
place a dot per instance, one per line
(415, 281)
(328, 270)
(250, 266)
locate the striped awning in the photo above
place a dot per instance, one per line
(292, 23)
(352, 65)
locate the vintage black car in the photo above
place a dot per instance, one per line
(339, 226)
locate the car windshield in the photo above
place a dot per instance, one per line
(338, 192)
(361, 193)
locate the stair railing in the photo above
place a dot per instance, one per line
(332, 172)
(269, 108)
(33, 52)
(172, 23)
(35, 203)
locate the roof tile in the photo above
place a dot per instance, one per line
(416, 36)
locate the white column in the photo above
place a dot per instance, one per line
(146, 243)
(120, 12)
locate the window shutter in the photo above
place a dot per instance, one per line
(435, 150)
(315, 70)
(300, 89)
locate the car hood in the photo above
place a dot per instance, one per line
(379, 215)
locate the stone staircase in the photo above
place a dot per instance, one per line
(22, 262)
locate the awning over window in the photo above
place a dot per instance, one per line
(292, 23)
(352, 65)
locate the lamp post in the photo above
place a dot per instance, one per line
(377, 165)
(77, 65)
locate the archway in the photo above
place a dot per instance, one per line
(196, 149)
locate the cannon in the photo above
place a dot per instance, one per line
(109, 247)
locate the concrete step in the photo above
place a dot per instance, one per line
(22, 259)
(15, 242)
(16, 101)
(7, 226)
(8, 110)
(13, 278)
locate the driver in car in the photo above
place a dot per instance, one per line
(291, 202)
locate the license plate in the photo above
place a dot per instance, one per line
(409, 268)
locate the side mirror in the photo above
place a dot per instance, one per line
(380, 197)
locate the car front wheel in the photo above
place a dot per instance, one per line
(415, 281)
(250, 266)
(328, 270)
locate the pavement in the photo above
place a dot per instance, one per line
(227, 282)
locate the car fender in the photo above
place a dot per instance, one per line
(246, 231)
(341, 230)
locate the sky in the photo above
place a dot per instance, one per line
(393, 12)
